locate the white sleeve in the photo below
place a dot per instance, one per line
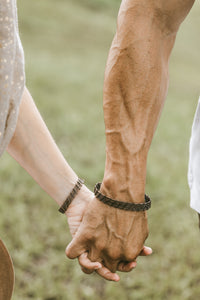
(194, 162)
(12, 77)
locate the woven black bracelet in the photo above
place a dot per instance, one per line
(122, 205)
(71, 196)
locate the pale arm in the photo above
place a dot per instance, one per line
(34, 148)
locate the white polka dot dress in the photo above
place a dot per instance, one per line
(12, 77)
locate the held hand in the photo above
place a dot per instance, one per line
(75, 213)
(111, 236)
(104, 272)
(78, 208)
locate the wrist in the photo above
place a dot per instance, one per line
(123, 205)
(60, 184)
(83, 198)
(125, 182)
(126, 193)
(125, 170)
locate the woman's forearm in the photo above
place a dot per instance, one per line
(34, 148)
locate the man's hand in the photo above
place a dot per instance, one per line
(110, 236)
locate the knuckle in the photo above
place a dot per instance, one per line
(86, 271)
(69, 254)
(100, 245)
(113, 269)
(88, 235)
(114, 254)
(110, 265)
(130, 257)
(130, 254)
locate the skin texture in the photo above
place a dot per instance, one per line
(51, 171)
(135, 87)
(110, 231)
(49, 168)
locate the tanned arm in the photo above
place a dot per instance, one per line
(135, 87)
(136, 82)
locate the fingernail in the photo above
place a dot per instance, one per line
(149, 249)
(133, 264)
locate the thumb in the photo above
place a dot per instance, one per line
(76, 247)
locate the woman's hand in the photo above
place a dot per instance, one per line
(78, 208)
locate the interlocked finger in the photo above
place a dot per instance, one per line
(126, 266)
(110, 264)
(107, 274)
(87, 271)
(88, 265)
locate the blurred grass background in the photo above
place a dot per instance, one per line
(66, 44)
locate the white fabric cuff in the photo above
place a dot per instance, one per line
(194, 162)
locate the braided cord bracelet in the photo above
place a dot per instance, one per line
(120, 204)
(71, 196)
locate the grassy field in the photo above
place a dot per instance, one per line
(66, 44)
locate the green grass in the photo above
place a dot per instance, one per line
(66, 44)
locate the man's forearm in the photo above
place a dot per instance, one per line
(135, 87)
